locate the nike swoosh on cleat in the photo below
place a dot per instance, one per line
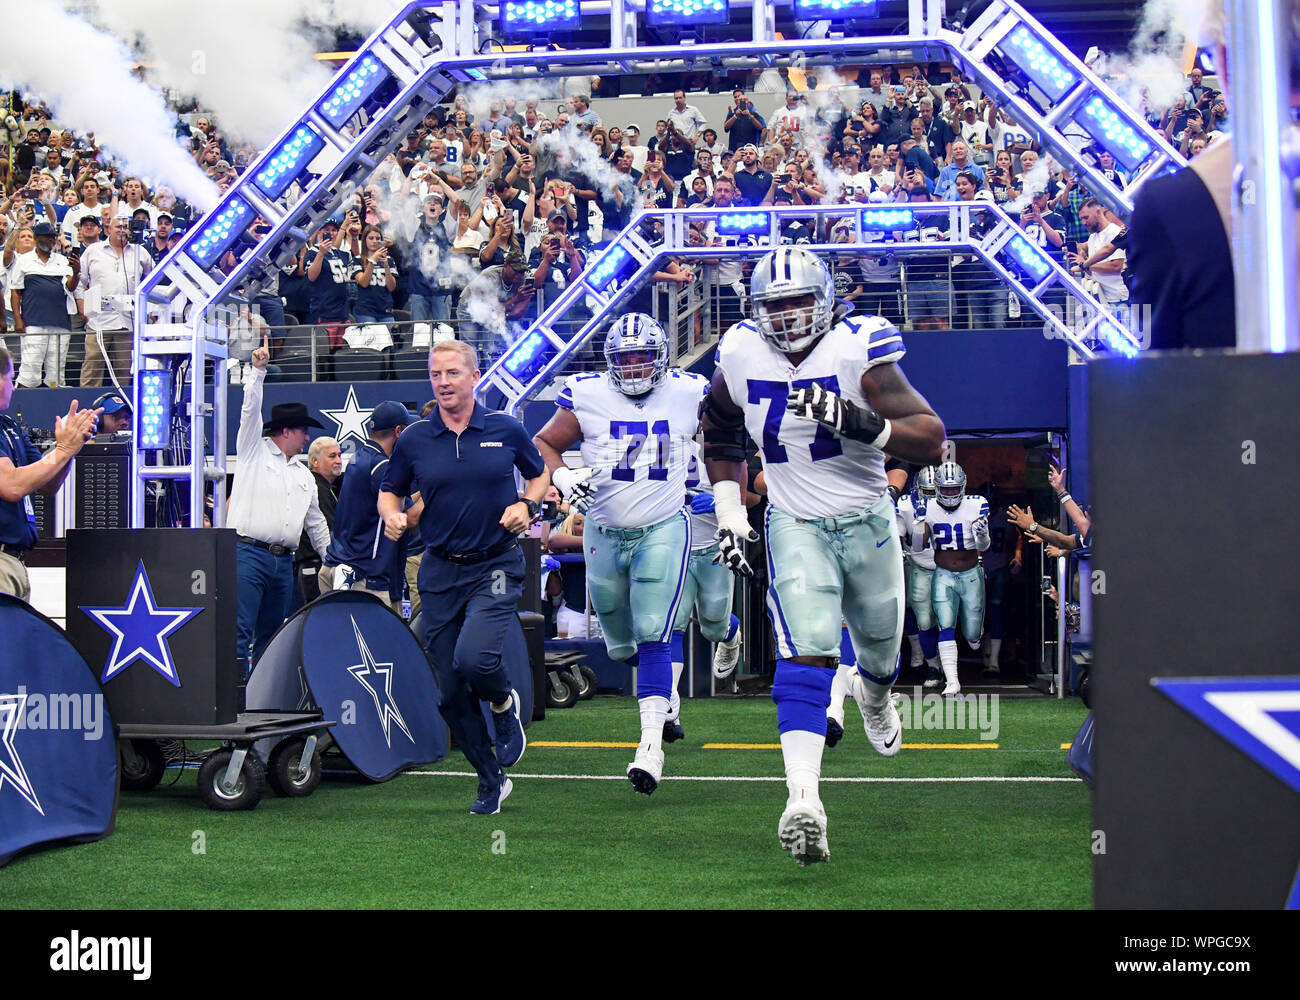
(890, 742)
(881, 542)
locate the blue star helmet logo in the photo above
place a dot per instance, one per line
(140, 629)
(1260, 716)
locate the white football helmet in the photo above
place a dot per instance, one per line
(785, 273)
(950, 483)
(924, 483)
(636, 354)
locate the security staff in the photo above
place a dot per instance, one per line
(360, 557)
(23, 471)
(273, 496)
(462, 460)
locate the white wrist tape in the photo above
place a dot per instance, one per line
(883, 436)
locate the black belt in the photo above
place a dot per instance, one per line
(475, 556)
(15, 551)
(271, 547)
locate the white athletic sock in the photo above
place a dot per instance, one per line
(675, 702)
(802, 751)
(839, 691)
(654, 712)
(948, 657)
(505, 706)
(918, 657)
(995, 647)
(975, 643)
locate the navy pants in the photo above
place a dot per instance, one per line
(467, 613)
(265, 586)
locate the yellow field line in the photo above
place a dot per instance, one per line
(582, 745)
(1066, 746)
(906, 746)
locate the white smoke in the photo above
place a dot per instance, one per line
(250, 62)
(1155, 59)
(88, 84)
(573, 150)
(1033, 181)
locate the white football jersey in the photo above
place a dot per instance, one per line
(809, 471)
(950, 530)
(637, 447)
(704, 527)
(907, 529)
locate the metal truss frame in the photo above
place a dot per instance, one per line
(426, 50)
(541, 354)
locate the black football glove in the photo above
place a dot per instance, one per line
(839, 415)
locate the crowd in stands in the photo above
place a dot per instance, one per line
(491, 207)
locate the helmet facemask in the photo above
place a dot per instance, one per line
(793, 323)
(636, 370)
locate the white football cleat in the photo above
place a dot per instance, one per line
(802, 832)
(883, 726)
(725, 657)
(646, 770)
(952, 688)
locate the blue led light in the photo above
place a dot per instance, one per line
(283, 167)
(607, 268)
(538, 16)
(1039, 64)
(1028, 257)
(834, 10)
(744, 222)
(884, 220)
(660, 12)
(217, 233)
(528, 356)
(343, 101)
(1111, 130)
(155, 409)
(1115, 340)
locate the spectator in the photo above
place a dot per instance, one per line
(503, 239)
(877, 177)
(685, 119)
(982, 293)
(1069, 200)
(679, 153)
(655, 186)
(703, 170)
(493, 304)
(729, 272)
(331, 266)
(1108, 272)
(946, 188)
(975, 133)
(631, 138)
(39, 287)
(161, 241)
(1044, 228)
(133, 199)
(896, 119)
(557, 262)
(111, 272)
(708, 140)
(744, 125)
(751, 180)
(430, 278)
(582, 112)
(325, 459)
(862, 127)
(928, 302)
(791, 119)
(876, 95)
(1198, 96)
(376, 279)
(999, 181)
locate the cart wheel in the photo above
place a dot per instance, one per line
(562, 692)
(587, 689)
(248, 786)
(142, 765)
(283, 770)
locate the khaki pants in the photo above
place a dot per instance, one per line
(326, 577)
(412, 583)
(117, 344)
(13, 578)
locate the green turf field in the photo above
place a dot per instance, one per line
(579, 842)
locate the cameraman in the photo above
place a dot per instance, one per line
(110, 276)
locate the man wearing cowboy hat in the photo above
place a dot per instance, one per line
(273, 497)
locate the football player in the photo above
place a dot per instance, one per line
(709, 587)
(635, 422)
(957, 526)
(919, 574)
(824, 397)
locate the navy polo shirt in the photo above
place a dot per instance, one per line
(359, 539)
(17, 518)
(466, 480)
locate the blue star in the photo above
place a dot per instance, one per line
(141, 629)
(11, 714)
(1260, 716)
(388, 711)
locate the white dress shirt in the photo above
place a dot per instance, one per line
(273, 496)
(108, 283)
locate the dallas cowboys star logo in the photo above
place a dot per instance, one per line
(351, 420)
(141, 629)
(11, 766)
(1260, 716)
(388, 711)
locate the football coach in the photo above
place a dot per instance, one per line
(461, 459)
